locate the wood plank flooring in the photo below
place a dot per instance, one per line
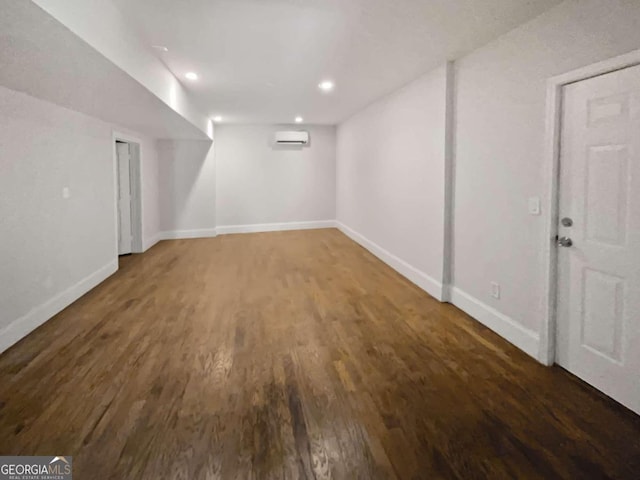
(294, 355)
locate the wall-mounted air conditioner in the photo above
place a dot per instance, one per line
(292, 138)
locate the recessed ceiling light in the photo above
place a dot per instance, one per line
(162, 48)
(191, 75)
(299, 119)
(326, 86)
(217, 118)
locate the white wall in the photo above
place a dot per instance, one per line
(259, 183)
(149, 174)
(391, 179)
(187, 188)
(53, 250)
(499, 155)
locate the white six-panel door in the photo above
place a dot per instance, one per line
(124, 199)
(599, 261)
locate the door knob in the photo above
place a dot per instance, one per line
(565, 242)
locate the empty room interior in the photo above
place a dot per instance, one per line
(320, 239)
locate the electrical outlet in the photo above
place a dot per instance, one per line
(495, 290)
(66, 193)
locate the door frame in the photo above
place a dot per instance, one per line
(135, 181)
(548, 332)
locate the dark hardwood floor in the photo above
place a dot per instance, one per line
(294, 355)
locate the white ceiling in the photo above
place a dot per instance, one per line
(260, 61)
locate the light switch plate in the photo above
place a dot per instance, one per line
(66, 193)
(534, 205)
(495, 290)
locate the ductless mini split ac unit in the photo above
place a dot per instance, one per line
(291, 138)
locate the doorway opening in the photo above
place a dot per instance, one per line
(128, 196)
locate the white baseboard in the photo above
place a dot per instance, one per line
(24, 325)
(421, 279)
(180, 234)
(523, 338)
(150, 242)
(275, 227)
